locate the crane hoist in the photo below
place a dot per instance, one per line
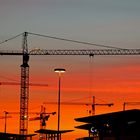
(24, 92)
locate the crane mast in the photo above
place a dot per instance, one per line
(24, 93)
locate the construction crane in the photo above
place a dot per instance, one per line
(93, 104)
(99, 104)
(43, 117)
(7, 115)
(129, 103)
(25, 53)
(5, 119)
(24, 90)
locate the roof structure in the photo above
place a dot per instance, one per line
(127, 115)
(13, 136)
(52, 134)
(119, 124)
(48, 131)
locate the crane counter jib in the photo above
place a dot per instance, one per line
(90, 52)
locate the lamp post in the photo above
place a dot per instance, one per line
(59, 71)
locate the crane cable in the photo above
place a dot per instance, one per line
(62, 39)
(10, 38)
(90, 77)
(75, 41)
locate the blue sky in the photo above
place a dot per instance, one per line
(107, 22)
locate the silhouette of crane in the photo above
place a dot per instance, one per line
(5, 119)
(24, 94)
(129, 103)
(43, 117)
(93, 104)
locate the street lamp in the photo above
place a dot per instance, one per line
(59, 71)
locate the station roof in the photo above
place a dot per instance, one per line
(85, 126)
(48, 131)
(127, 115)
(119, 120)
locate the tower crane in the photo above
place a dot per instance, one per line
(93, 104)
(43, 117)
(99, 104)
(25, 53)
(130, 103)
(5, 119)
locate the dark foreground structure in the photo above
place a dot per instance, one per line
(122, 125)
(52, 134)
(11, 136)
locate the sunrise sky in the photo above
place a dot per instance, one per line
(111, 79)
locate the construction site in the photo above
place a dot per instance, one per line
(48, 109)
(69, 70)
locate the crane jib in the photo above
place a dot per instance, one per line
(75, 52)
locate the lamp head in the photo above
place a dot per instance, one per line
(59, 70)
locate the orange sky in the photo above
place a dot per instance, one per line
(109, 79)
